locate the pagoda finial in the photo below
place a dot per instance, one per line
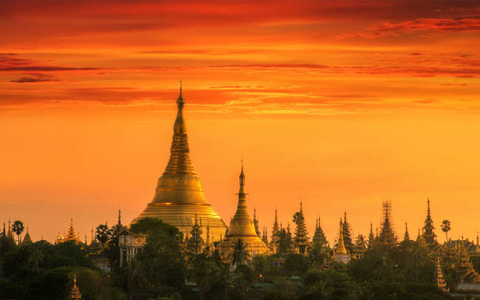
(180, 102)
(407, 235)
(341, 245)
(119, 217)
(242, 182)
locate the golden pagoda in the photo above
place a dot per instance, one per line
(341, 255)
(179, 196)
(70, 236)
(242, 227)
(75, 293)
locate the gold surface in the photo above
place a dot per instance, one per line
(179, 195)
(242, 227)
(341, 245)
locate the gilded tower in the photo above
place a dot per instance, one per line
(242, 227)
(179, 196)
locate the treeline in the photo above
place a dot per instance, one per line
(165, 269)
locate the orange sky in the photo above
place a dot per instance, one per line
(341, 104)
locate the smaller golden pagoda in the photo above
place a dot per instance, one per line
(75, 293)
(242, 227)
(27, 239)
(70, 236)
(341, 255)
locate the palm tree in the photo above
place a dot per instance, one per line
(240, 254)
(103, 233)
(446, 227)
(18, 229)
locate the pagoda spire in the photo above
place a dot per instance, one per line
(387, 233)
(242, 227)
(265, 235)
(319, 239)
(371, 236)
(71, 231)
(347, 233)
(179, 162)
(255, 221)
(119, 223)
(341, 245)
(275, 231)
(428, 229)
(341, 255)
(75, 293)
(301, 233)
(27, 239)
(406, 237)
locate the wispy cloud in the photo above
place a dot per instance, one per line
(9, 62)
(34, 77)
(423, 25)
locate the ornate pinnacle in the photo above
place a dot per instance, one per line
(180, 102)
(242, 182)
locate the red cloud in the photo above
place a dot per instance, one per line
(10, 63)
(394, 29)
(34, 77)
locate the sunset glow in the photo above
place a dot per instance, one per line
(339, 104)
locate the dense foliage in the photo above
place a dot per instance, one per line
(166, 269)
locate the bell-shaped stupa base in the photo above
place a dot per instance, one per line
(182, 216)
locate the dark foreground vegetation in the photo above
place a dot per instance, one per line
(165, 269)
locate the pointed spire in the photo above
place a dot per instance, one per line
(255, 221)
(27, 239)
(340, 245)
(242, 182)
(406, 237)
(242, 227)
(179, 162)
(371, 236)
(301, 232)
(180, 102)
(75, 293)
(429, 230)
(119, 223)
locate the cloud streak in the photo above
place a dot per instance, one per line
(34, 78)
(423, 25)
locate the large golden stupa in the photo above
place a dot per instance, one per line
(242, 227)
(179, 196)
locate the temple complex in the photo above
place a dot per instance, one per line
(242, 227)
(179, 196)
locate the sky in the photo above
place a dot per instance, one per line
(339, 104)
